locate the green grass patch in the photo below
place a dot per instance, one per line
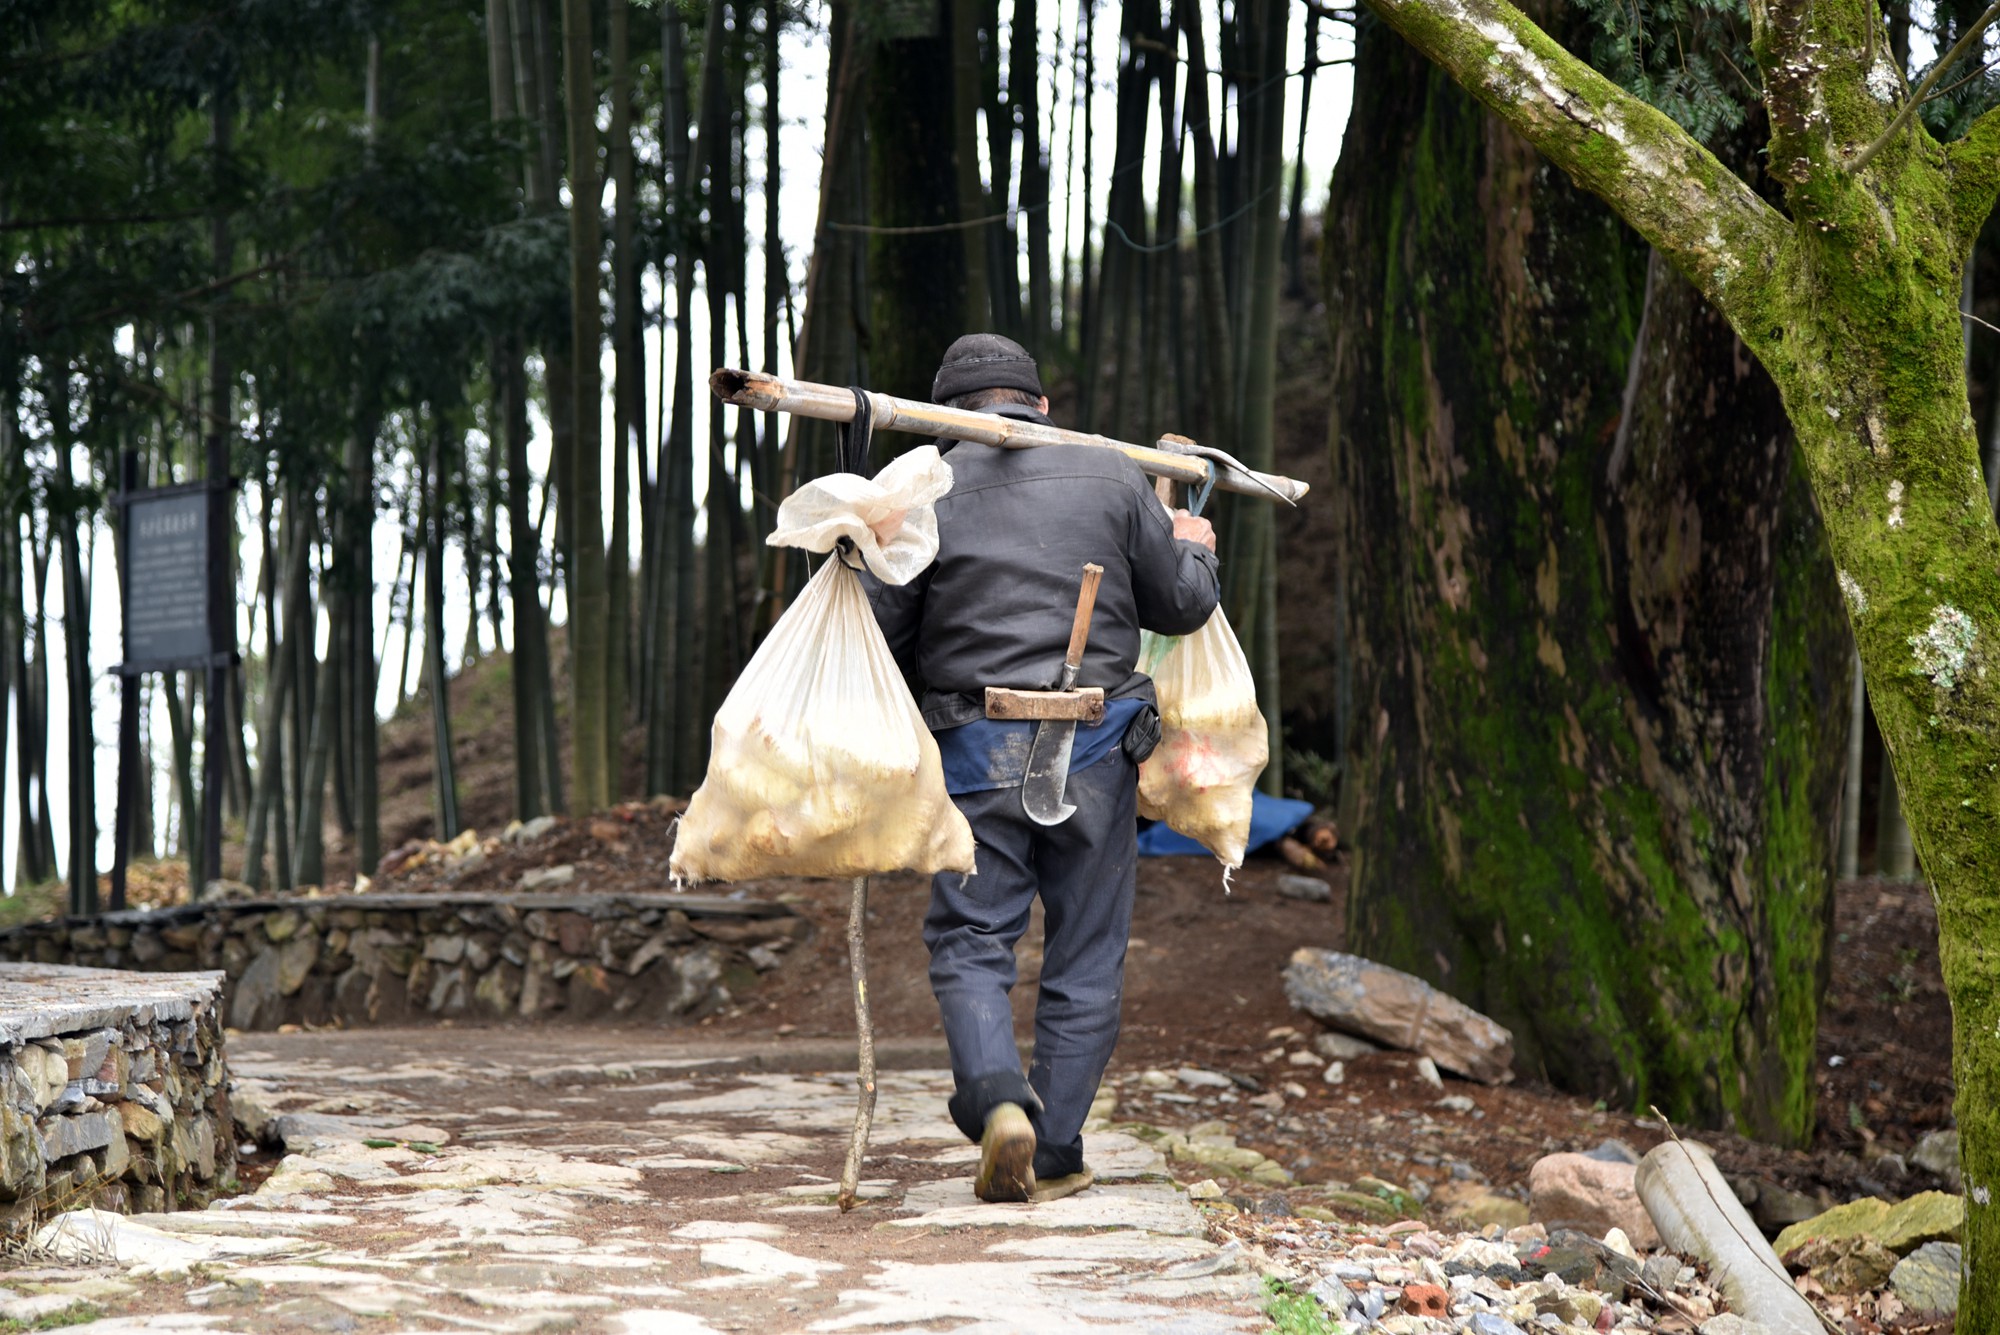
(77, 1315)
(1294, 1312)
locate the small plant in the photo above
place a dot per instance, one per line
(78, 1314)
(1293, 1312)
(1312, 775)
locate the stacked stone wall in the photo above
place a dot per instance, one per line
(389, 959)
(115, 1092)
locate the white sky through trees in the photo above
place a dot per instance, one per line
(802, 104)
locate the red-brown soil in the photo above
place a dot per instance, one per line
(1204, 988)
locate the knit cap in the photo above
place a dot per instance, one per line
(984, 361)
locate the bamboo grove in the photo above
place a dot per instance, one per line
(379, 252)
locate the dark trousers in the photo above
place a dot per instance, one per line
(1083, 870)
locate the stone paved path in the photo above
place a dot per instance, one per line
(515, 1181)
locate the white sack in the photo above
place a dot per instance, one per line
(819, 763)
(890, 517)
(1213, 742)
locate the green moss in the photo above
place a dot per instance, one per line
(1292, 1311)
(75, 1315)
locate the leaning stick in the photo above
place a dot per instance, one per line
(1173, 457)
(864, 1028)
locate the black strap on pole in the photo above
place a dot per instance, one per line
(857, 437)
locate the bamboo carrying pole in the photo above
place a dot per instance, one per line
(1174, 457)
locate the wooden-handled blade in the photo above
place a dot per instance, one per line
(1079, 631)
(1048, 755)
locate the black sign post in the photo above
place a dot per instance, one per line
(177, 607)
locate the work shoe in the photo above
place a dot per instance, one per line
(1006, 1156)
(1055, 1188)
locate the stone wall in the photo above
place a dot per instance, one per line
(388, 959)
(112, 1092)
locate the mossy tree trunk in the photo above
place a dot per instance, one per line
(1849, 298)
(1590, 775)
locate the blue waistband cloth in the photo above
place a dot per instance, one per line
(993, 753)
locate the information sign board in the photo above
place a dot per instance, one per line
(166, 564)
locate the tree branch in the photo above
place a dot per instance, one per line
(1974, 162)
(1696, 212)
(1923, 90)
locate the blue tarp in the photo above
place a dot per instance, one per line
(1270, 818)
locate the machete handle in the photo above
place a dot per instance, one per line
(1086, 603)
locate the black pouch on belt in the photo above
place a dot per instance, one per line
(1142, 734)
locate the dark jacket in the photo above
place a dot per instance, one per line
(1014, 533)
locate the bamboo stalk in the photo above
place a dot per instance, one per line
(864, 1029)
(1182, 463)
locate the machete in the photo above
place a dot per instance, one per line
(1048, 758)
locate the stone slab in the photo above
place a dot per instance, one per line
(44, 1000)
(1153, 1208)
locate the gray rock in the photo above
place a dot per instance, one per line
(256, 991)
(1339, 1047)
(117, 1155)
(1615, 1151)
(1491, 1323)
(1937, 1152)
(1778, 1208)
(1728, 1323)
(655, 949)
(64, 1136)
(1368, 1305)
(544, 878)
(21, 1163)
(1308, 888)
(445, 949)
(86, 1055)
(1331, 1294)
(1660, 1272)
(295, 961)
(1928, 1279)
(1393, 1007)
(529, 831)
(697, 971)
(46, 1073)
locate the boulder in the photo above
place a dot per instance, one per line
(1476, 1205)
(1845, 1265)
(1932, 1216)
(1591, 1195)
(256, 991)
(1400, 1010)
(1937, 1152)
(1779, 1207)
(1927, 1280)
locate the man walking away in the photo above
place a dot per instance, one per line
(995, 610)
